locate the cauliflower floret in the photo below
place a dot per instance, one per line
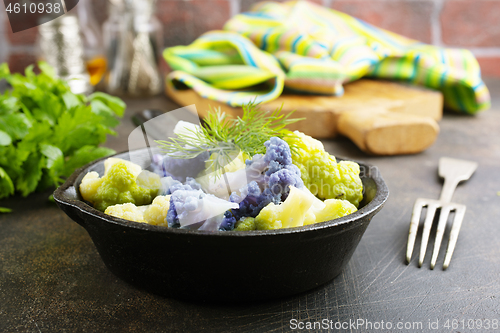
(221, 186)
(310, 218)
(236, 164)
(179, 168)
(186, 128)
(304, 141)
(300, 208)
(245, 224)
(291, 213)
(334, 209)
(189, 207)
(149, 180)
(269, 177)
(228, 221)
(127, 211)
(117, 186)
(156, 213)
(321, 173)
(232, 179)
(132, 167)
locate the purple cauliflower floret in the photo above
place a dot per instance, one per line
(252, 200)
(270, 176)
(281, 180)
(159, 168)
(173, 186)
(277, 150)
(182, 201)
(179, 168)
(170, 185)
(189, 184)
(172, 217)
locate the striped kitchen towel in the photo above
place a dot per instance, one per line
(302, 47)
(226, 67)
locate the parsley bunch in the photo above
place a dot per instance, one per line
(46, 131)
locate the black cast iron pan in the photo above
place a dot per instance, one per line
(223, 266)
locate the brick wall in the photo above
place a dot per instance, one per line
(472, 24)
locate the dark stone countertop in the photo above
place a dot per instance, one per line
(53, 280)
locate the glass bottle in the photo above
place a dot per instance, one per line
(94, 55)
(72, 44)
(133, 40)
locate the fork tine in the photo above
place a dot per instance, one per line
(455, 229)
(412, 234)
(429, 218)
(443, 217)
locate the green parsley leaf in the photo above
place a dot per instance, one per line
(32, 168)
(55, 157)
(46, 69)
(70, 100)
(16, 125)
(8, 104)
(46, 131)
(114, 103)
(5, 138)
(6, 185)
(103, 110)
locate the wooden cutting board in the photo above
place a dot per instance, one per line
(380, 117)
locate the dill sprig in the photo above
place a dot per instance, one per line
(227, 137)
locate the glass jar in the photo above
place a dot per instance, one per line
(59, 43)
(133, 40)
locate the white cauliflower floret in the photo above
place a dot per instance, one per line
(236, 164)
(301, 208)
(290, 213)
(223, 186)
(156, 213)
(127, 211)
(333, 209)
(233, 179)
(148, 179)
(90, 184)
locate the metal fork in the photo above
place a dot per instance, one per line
(453, 171)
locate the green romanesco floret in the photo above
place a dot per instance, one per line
(321, 173)
(245, 224)
(117, 186)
